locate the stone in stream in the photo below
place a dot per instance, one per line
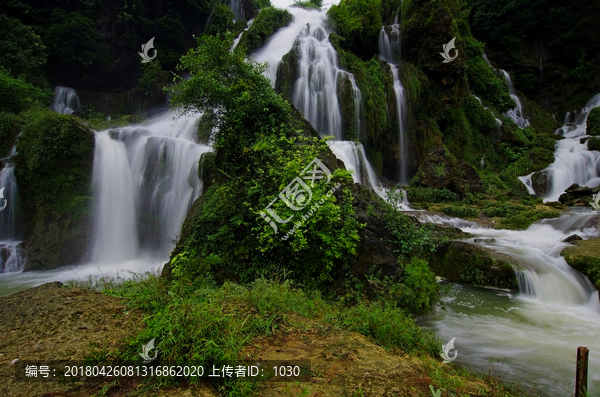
(584, 256)
(485, 240)
(466, 263)
(571, 238)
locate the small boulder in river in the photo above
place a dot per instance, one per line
(572, 237)
(466, 263)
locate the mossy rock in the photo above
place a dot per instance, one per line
(287, 72)
(593, 122)
(585, 256)
(54, 172)
(268, 21)
(466, 263)
(593, 143)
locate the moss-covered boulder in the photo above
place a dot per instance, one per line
(593, 143)
(268, 21)
(441, 169)
(576, 195)
(593, 122)
(54, 171)
(540, 183)
(466, 263)
(287, 72)
(584, 256)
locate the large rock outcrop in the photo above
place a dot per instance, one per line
(467, 263)
(441, 169)
(54, 173)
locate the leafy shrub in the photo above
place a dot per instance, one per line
(17, 95)
(22, 50)
(221, 20)
(408, 234)
(10, 126)
(309, 4)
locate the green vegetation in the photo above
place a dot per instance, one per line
(585, 257)
(267, 22)
(256, 132)
(429, 195)
(593, 122)
(359, 23)
(221, 21)
(309, 4)
(54, 165)
(10, 126)
(17, 95)
(594, 143)
(22, 50)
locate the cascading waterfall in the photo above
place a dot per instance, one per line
(556, 309)
(515, 114)
(146, 179)
(236, 41)
(12, 258)
(316, 91)
(237, 8)
(66, 101)
(573, 162)
(390, 51)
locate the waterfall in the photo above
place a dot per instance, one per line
(515, 114)
(12, 258)
(574, 163)
(237, 39)
(315, 92)
(237, 8)
(66, 101)
(145, 181)
(317, 88)
(390, 51)
(353, 156)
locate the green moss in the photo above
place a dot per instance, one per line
(54, 166)
(267, 22)
(593, 143)
(460, 211)
(523, 219)
(287, 72)
(593, 122)
(359, 23)
(585, 257)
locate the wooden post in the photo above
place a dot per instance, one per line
(581, 372)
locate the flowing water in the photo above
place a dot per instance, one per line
(515, 114)
(390, 50)
(145, 180)
(66, 101)
(574, 163)
(531, 336)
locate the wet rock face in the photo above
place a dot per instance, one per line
(55, 241)
(440, 169)
(540, 183)
(576, 195)
(466, 263)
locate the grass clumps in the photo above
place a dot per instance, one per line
(202, 323)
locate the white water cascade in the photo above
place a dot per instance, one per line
(66, 100)
(12, 258)
(316, 90)
(515, 114)
(146, 179)
(574, 163)
(390, 51)
(529, 337)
